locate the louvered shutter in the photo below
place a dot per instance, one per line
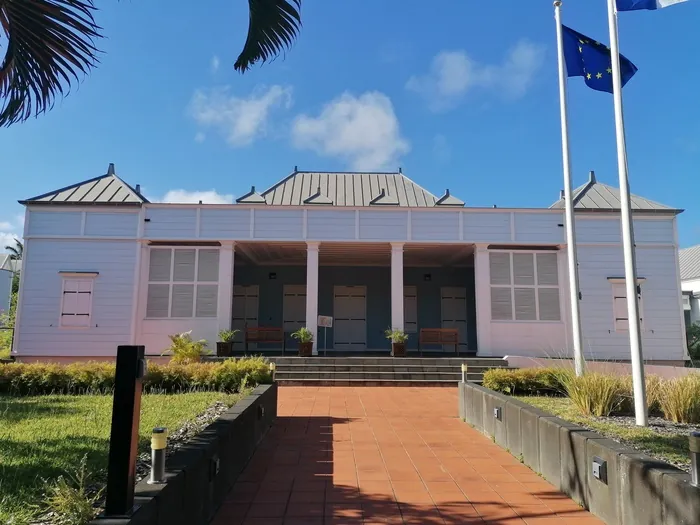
(158, 300)
(410, 309)
(523, 269)
(207, 298)
(525, 307)
(549, 304)
(499, 266)
(547, 274)
(501, 304)
(183, 299)
(208, 267)
(160, 264)
(183, 266)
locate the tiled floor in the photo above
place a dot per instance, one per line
(386, 455)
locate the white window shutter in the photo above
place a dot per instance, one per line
(207, 298)
(525, 307)
(523, 269)
(410, 309)
(160, 264)
(183, 267)
(499, 266)
(501, 304)
(158, 300)
(547, 269)
(84, 301)
(549, 304)
(620, 307)
(208, 267)
(183, 300)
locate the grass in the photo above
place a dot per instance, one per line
(43, 437)
(673, 448)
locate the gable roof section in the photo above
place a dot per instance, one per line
(106, 189)
(689, 261)
(596, 196)
(348, 189)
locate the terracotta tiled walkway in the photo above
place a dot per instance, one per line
(386, 455)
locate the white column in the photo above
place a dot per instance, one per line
(482, 297)
(226, 259)
(312, 290)
(397, 321)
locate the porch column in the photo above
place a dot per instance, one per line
(312, 290)
(397, 321)
(226, 258)
(482, 296)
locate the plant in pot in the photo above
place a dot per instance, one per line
(306, 341)
(224, 346)
(185, 350)
(398, 340)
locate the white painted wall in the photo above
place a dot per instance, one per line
(5, 290)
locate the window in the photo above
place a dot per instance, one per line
(620, 315)
(183, 282)
(76, 300)
(524, 286)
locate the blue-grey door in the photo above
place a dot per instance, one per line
(350, 313)
(454, 313)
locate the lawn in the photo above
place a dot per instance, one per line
(42, 437)
(664, 446)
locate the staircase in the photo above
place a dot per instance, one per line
(380, 371)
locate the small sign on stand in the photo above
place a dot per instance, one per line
(325, 321)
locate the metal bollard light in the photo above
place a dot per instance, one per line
(272, 369)
(694, 442)
(464, 372)
(159, 442)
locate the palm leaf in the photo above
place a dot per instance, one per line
(50, 45)
(273, 27)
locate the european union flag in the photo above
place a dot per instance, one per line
(591, 60)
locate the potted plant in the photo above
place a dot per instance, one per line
(306, 341)
(224, 346)
(398, 340)
(185, 350)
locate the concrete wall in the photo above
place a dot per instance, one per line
(637, 490)
(662, 370)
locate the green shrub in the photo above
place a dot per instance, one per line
(654, 386)
(185, 350)
(81, 378)
(303, 335)
(70, 500)
(524, 381)
(595, 393)
(680, 399)
(396, 336)
(227, 336)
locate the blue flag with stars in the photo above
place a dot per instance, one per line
(591, 60)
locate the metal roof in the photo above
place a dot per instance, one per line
(105, 189)
(348, 189)
(7, 263)
(689, 261)
(596, 196)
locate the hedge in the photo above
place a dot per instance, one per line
(81, 378)
(524, 381)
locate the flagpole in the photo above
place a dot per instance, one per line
(640, 401)
(568, 199)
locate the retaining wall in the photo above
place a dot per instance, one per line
(634, 490)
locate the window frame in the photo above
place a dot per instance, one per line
(67, 277)
(640, 302)
(536, 286)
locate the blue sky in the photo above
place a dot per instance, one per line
(462, 96)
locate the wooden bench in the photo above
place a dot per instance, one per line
(265, 334)
(438, 336)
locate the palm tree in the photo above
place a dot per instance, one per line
(51, 45)
(16, 251)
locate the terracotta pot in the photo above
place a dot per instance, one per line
(398, 349)
(306, 349)
(224, 349)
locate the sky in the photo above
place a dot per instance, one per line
(461, 95)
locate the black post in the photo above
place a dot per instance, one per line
(123, 440)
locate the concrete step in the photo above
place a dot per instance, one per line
(365, 382)
(447, 361)
(380, 368)
(434, 376)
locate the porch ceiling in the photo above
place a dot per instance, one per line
(354, 254)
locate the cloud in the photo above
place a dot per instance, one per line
(215, 63)
(199, 137)
(5, 226)
(441, 148)
(453, 74)
(364, 131)
(240, 120)
(11, 230)
(193, 197)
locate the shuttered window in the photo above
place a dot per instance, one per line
(76, 302)
(620, 314)
(410, 309)
(524, 286)
(183, 282)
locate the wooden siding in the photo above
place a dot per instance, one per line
(279, 224)
(102, 224)
(55, 223)
(171, 223)
(384, 226)
(434, 226)
(330, 225)
(608, 230)
(487, 227)
(539, 227)
(222, 223)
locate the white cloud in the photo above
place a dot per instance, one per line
(362, 130)
(11, 230)
(441, 148)
(453, 74)
(215, 63)
(5, 226)
(199, 137)
(193, 197)
(240, 120)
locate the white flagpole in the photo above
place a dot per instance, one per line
(568, 199)
(640, 400)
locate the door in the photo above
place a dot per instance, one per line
(350, 323)
(245, 313)
(410, 309)
(293, 309)
(454, 313)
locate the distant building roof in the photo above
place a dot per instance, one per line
(348, 189)
(7, 263)
(689, 261)
(105, 189)
(596, 196)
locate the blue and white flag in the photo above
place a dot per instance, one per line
(636, 5)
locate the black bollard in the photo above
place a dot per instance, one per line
(123, 440)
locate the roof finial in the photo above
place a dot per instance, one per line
(447, 192)
(138, 189)
(494, 206)
(561, 194)
(252, 189)
(296, 168)
(400, 170)
(591, 176)
(110, 169)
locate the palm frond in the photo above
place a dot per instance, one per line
(50, 45)
(273, 27)
(16, 251)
